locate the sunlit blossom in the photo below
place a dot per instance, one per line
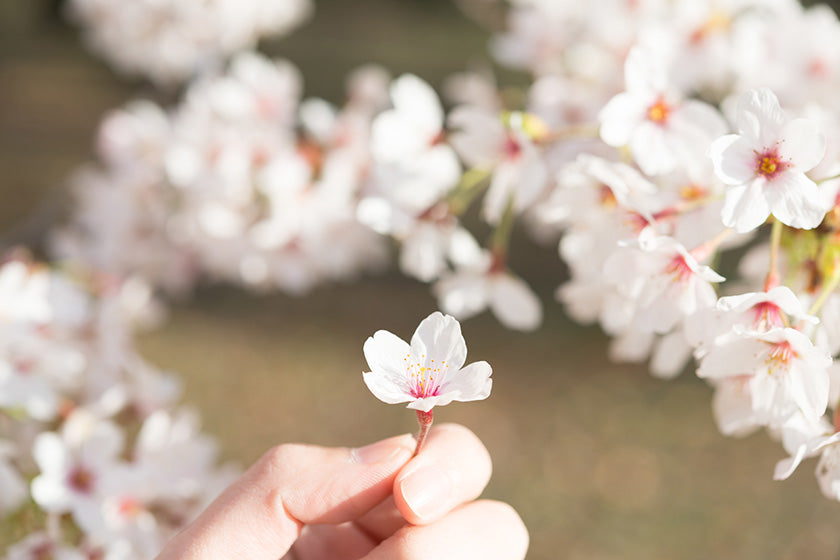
(428, 372)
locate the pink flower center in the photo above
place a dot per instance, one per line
(129, 506)
(781, 354)
(693, 192)
(767, 315)
(512, 148)
(424, 377)
(81, 479)
(607, 198)
(768, 164)
(679, 269)
(659, 111)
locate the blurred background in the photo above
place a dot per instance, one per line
(601, 460)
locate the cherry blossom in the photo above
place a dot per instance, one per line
(482, 284)
(765, 166)
(429, 371)
(788, 374)
(662, 129)
(170, 41)
(519, 172)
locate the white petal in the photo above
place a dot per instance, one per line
(671, 354)
(427, 403)
(653, 150)
(423, 253)
(785, 467)
(644, 73)
(386, 355)
(418, 101)
(393, 139)
(439, 338)
(514, 303)
(734, 159)
(49, 493)
(760, 116)
(745, 207)
(385, 388)
(619, 118)
(463, 294)
(803, 144)
(737, 357)
(533, 178)
(472, 383)
(794, 199)
(480, 137)
(500, 193)
(50, 453)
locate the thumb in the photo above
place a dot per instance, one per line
(261, 515)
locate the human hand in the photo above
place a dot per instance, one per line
(302, 502)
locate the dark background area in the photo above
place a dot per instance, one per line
(602, 461)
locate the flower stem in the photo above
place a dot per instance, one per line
(772, 279)
(472, 183)
(425, 420)
(579, 131)
(826, 291)
(501, 235)
(702, 251)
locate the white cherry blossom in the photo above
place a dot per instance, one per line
(662, 129)
(428, 372)
(481, 284)
(519, 172)
(787, 373)
(765, 166)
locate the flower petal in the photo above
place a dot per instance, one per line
(514, 303)
(416, 99)
(740, 356)
(734, 159)
(795, 200)
(472, 383)
(439, 338)
(427, 403)
(803, 144)
(745, 207)
(385, 388)
(386, 354)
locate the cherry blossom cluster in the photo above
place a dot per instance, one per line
(166, 41)
(724, 121)
(649, 145)
(91, 436)
(241, 182)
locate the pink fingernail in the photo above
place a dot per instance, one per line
(427, 492)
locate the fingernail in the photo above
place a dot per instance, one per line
(427, 491)
(377, 452)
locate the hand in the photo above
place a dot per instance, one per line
(302, 502)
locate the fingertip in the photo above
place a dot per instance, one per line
(425, 494)
(518, 539)
(453, 467)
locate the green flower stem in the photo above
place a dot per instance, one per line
(501, 235)
(827, 290)
(472, 183)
